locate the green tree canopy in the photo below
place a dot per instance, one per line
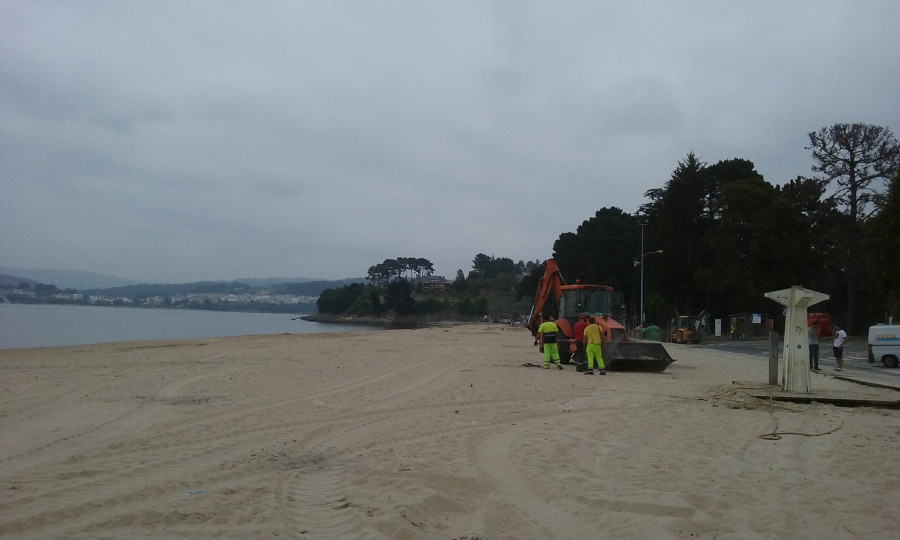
(601, 251)
(883, 244)
(855, 160)
(678, 218)
(392, 269)
(488, 267)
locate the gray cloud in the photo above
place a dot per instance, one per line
(178, 141)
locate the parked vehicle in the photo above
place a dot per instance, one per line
(884, 345)
(822, 322)
(686, 329)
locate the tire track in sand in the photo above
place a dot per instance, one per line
(496, 459)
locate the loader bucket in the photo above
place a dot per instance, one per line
(636, 356)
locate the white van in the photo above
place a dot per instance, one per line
(884, 344)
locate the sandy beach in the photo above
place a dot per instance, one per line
(428, 433)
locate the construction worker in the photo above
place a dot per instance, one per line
(578, 338)
(593, 339)
(547, 333)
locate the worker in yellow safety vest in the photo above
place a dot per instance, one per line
(593, 341)
(547, 334)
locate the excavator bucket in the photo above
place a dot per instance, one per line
(636, 356)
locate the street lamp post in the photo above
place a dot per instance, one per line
(641, 262)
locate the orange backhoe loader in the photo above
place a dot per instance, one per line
(605, 307)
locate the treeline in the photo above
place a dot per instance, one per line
(727, 235)
(487, 290)
(391, 269)
(485, 267)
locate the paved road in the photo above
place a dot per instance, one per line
(856, 361)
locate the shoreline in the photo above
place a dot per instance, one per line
(364, 320)
(408, 322)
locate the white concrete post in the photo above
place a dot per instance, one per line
(795, 371)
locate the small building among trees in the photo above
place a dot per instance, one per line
(432, 283)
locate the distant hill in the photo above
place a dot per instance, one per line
(308, 288)
(66, 279)
(266, 282)
(7, 280)
(94, 283)
(168, 289)
(312, 288)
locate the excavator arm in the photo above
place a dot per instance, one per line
(549, 288)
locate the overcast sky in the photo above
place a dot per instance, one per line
(193, 140)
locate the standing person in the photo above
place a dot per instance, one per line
(813, 339)
(578, 337)
(593, 340)
(547, 333)
(840, 339)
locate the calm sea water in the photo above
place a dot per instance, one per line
(25, 326)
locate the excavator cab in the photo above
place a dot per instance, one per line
(596, 300)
